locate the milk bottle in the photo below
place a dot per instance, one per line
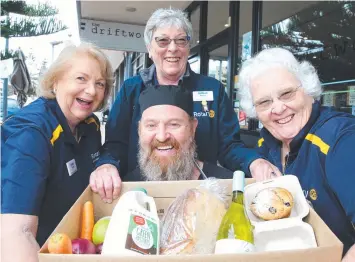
(134, 226)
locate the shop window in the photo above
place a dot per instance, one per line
(195, 21)
(323, 34)
(245, 27)
(340, 95)
(218, 17)
(218, 64)
(138, 62)
(244, 53)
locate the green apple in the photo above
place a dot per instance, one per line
(99, 231)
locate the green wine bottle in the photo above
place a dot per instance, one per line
(235, 233)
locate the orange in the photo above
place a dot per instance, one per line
(59, 244)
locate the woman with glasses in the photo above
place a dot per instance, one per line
(303, 138)
(49, 149)
(167, 36)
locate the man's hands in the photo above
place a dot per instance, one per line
(261, 169)
(106, 181)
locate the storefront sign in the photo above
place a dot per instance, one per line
(113, 36)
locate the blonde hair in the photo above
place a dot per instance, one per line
(60, 65)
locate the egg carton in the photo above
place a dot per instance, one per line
(286, 233)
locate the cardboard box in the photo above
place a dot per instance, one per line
(329, 247)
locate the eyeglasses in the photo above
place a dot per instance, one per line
(164, 42)
(286, 95)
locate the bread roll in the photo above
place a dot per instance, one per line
(272, 203)
(191, 223)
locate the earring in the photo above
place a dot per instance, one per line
(54, 91)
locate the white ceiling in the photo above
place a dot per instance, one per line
(115, 11)
(115, 57)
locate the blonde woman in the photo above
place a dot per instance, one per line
(49, 149)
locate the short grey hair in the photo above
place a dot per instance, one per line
(167, 17)
(275, 57)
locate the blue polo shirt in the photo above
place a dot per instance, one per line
(322, 156)
(44, 169)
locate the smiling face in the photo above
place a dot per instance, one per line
(166, 139)
(170, 61)
(290, 108)
(81, 89)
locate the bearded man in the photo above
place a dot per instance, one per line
(167, 148)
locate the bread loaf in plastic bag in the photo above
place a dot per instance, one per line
(191, 222)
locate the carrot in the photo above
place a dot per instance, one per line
(87, 220)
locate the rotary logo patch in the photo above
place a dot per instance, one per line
(212, 113)
(313, 194)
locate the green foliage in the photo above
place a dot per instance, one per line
(6, 54)
(17, 7)
(41, 9)
(322, 34)
(315, 27)
(28, 26)
(21, 8)
(20, 19)
(35, 20)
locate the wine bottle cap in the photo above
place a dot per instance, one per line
(238, 181)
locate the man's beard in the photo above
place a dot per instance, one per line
(178, 167)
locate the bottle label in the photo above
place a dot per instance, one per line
(233, 246)
(142, 235)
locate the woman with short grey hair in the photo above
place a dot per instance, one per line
(167, 36)
(303, 138)
(167, 18)
(304, 71)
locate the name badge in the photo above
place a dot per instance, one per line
(71, 166)
(202, 95)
